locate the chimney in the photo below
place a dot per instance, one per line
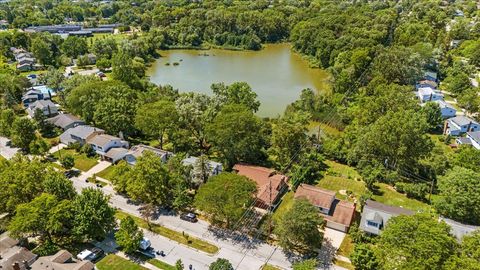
(16, 266)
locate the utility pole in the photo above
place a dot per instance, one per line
(270, 210)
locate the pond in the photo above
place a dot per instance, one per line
(275, 73)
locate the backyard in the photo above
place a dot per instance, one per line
(107, 173)
(82, 162)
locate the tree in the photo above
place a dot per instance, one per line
(363, 258)
(11, 89)
(149, 181)
(299, 228)
(289, 136)
(22, 133)
(7, 117)
(309, 169)
(415, 242)
(221, 264)
(53, 78)
(157, 119)
(433, 114)
(236, 133)
(458, 200)
(74, 46)
(45, 216)
(123, 69)
(103, 64)
(200, 171)
(42, 51)
(128, 236)
(310, 264)
(236, 93)
(398, 65)
(119, 179)
(94, 218)
(20, 182)
(225, 197)
(398, 138)
(67, 161)
(179, 265)
(57, 184)
(115, 110)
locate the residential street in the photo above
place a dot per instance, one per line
(237, 253)
(6, 151)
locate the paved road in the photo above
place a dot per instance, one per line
(250, 258)
(6, 151)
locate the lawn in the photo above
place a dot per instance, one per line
(114, 262)
(269, 267)
(173, 235)
(82, 162)
(345, 265)
(161, 265)
(107, 173)
(314, 126)
(287, 202)
(343, 177)
(346, 248)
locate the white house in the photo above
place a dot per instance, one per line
(47, 107)
(138, 150)
(447, 110)
(102, 143)
(215, 167)
(429, 94)
(472, 138)
(459, 125)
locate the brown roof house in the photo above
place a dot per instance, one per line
(62, 260)
(271, 185)
(14, 257)
(338, 214)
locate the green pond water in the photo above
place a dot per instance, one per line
(275, 73)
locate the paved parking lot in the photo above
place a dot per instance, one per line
(6, 151)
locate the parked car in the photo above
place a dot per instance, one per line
(69, 174)
(191, 217)
(97, 253)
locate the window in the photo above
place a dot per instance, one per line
(372, 224)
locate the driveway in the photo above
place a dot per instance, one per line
(7, 151)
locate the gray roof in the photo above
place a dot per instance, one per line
(138, 151)
(379, 213)
(40, 104)
(459, 230)
(443, 104)
(82, 132)
(475, 135)
(462, 120)
(64, 120)
(463, 140)
(103, 139)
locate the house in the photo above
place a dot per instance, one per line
(79, 134)
(138, 150)
(116, 154)
(47, 107)
(31, 96)
(460, 124)
(26, 61)
(458, 13)
(25, 67)
(102, 143)
(426, 83)
(472, 138)
(375, 216)
(447, 110)
(455, 43)
(215, 167)
(430, 75)
(14, 257)
(62, 260)
(81, 33)
(65, 121)
(428, 94)
(459, 230)
(21, 54)
(270, 184)
(338, 214)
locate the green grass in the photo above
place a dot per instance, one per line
(114, 262)
(269, 267)
(343, 177)
(82, 162)
(173, 235)
(107, 173)
(314, 126)
(346, 248)
(285, 205)
(161, 265)
(96, 181)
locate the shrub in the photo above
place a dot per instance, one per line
(413, 190)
